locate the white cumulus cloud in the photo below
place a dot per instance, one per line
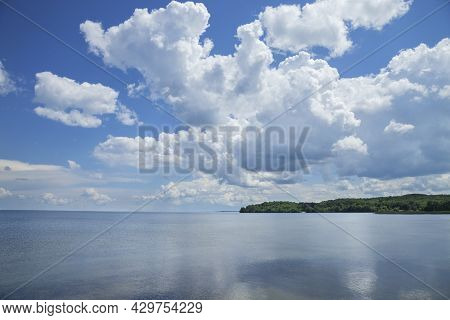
(206, 189)
(77, 104)
(126, 116)
(52, 199)
(97, 197)
(326, 23)
(5, 193)
(444, 93)
(350, 143)
(7, 85)
(397, 127)
(73, 165)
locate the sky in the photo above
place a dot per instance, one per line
(78, 79)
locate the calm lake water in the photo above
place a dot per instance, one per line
(224, 256)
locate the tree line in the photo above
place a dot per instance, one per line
(411, 203)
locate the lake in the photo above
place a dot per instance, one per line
(224, 256)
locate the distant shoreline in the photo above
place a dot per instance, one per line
(412, 213)
(407, 204)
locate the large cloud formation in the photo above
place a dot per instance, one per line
(351, 118)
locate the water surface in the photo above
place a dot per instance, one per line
(224, 256)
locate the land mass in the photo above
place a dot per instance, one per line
(410, 203)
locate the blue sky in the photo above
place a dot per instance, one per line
(27, 137)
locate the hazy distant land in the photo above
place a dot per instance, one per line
(411, 204)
